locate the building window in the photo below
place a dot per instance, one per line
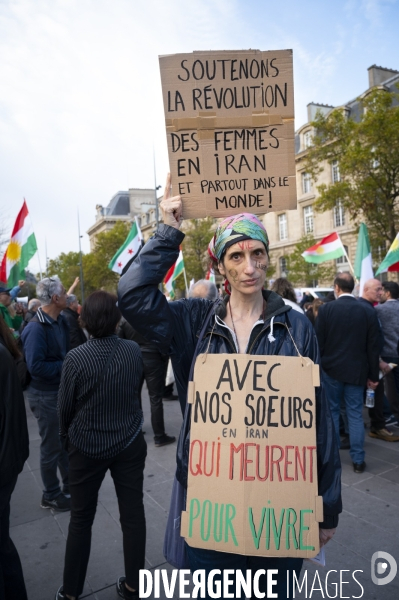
(308, 219)
(283, 266)
(307, 139)
(335, 175)
(306, 183)
(283, 226)
(342, 260)
(339, 214)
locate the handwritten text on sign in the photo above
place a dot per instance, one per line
(252, 484)
(230, 129)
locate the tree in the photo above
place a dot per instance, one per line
(66, 266)
(195, 246)
(367, 152)
(198, 233)
(96, 274)
(303, 273)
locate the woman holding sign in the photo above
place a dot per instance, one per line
(252, 321)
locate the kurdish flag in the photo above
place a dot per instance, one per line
(128, 250)
(173, 273)
(363, 263)
(391, 261)
(328, 248)
(20, 250)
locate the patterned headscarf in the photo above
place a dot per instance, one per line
(238, 228)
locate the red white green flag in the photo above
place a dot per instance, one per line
(210, 275)
(20, 250)
(328, 248)
(173, 273)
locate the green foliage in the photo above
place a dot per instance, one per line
(96, 273)
(305, 274)
(66, 266)
(368, 155)
(194, 247)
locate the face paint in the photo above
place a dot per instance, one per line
(234, 275)
(259, 265)
(245, 245)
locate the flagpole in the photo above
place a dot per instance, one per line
(80, 263)
(347, 258)
(160, 287)
(185, 279)
(349, 263)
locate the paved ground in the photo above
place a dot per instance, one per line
(369, 523)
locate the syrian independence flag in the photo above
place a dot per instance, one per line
(391, 261)
(328, 248)
(20, 250)
(128, 251)
(173, 273)
(363, 263)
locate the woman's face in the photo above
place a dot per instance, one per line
(244, 266)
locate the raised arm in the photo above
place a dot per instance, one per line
(142, 304)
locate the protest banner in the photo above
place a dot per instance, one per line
(252, 481)
(230, 131)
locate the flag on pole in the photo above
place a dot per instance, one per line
(328, 248)
(20, 250)
(173, 273)
(128, 250)
(363, 263)
(210, 276)
(391, 261)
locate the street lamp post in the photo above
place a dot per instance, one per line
(81, 264)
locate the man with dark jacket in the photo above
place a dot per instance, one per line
(154, 372)
(372, 294)
(45, 342)
(348, 335)
(388, 314)
(76, 333)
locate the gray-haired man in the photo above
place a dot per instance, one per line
(76, 333)
(46, 341)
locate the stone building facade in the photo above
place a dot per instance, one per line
(125, 206)
(286, 228)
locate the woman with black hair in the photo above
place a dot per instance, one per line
(101, 421)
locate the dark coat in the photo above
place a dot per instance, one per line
(349, 339)
(76, 334)
(43, 353)
(175, 327)
(14, 439)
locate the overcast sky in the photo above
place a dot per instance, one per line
(81, 103)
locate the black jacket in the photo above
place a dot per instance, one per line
(76, 333)
(175, 327)
(14, 439)
(349, 339)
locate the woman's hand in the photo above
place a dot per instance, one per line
(171, 207)
(325, 535)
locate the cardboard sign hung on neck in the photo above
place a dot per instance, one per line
(252, 481)
(230, 129)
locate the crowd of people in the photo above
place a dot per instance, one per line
(83, 368)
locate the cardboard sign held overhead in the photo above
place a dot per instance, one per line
(252, 482)
(230, 131)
